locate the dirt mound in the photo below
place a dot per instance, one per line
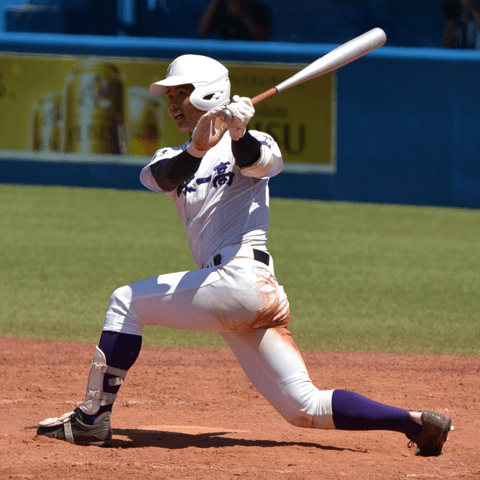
(192, 413)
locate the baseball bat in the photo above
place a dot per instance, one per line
(338, 57)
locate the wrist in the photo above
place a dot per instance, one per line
(247, 139)
(195, 152)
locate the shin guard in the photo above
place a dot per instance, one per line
(96, 397)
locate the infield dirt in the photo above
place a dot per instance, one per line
(192, 413)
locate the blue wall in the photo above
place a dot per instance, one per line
(411, 119)
(408, 118)
(408, 22)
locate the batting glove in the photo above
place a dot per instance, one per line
(207, 133)
(242, 112)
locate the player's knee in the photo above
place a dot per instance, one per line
(311, 409)
(322, 420)
(120, 316)
(122, 297)
(299, 419)
(120, 302)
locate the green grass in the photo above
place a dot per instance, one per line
(360, 277)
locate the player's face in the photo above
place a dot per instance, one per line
(181, 110)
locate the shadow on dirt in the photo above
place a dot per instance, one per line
(174, 441)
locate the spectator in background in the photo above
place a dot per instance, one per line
(237, 20)
(463, 24)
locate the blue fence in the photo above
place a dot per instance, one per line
(409, 23)
(408, 120)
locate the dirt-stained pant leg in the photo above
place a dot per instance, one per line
(240, 296)
(274, 365)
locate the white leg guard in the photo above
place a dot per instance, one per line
(95, 396)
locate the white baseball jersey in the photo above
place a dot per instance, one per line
(218, 205)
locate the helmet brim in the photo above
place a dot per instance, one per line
(160, 88)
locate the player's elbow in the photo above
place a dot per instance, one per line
(262, 166)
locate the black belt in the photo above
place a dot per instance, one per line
(258, 255)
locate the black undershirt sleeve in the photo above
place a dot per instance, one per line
(173, 171)
(246, 150)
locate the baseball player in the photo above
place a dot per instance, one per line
(218, 181)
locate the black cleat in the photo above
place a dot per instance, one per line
(69, 427)
(435, 429)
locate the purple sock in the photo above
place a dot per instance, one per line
(352, 411)
(121, 351)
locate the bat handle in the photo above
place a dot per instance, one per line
(263, 96)
(225, 115)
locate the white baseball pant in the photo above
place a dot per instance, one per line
(241, 299)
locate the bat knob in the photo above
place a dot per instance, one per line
(225, 115)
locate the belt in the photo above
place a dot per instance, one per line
(258, 255)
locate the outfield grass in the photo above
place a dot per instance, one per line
(360, 277)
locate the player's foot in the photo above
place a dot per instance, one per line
(435, 429)
(70, 427)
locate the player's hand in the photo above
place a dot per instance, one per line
(469, 5)
(233, 7)
(207, 133)
(242, 112)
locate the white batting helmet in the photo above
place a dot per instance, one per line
(209, 77)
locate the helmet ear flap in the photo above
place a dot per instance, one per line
(211, 94)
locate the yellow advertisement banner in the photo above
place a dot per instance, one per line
(101, 105)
